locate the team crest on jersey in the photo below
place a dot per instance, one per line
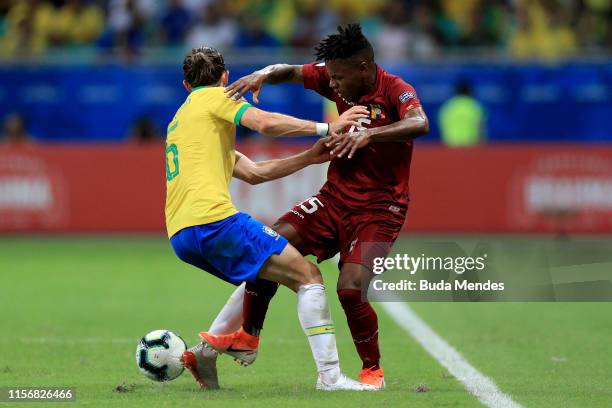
(270, 231)
(376, 112)
(406, 96)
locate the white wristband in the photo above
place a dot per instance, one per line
(322, 129)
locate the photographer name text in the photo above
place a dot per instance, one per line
(426, 286)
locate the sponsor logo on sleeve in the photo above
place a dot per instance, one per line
(406, 96)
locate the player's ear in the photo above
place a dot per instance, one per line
(225, 78)
(187, 86)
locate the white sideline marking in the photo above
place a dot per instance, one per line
(481, 386)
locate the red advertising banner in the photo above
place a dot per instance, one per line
(511, 189)
(84, 189)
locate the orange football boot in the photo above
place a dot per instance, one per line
(240, 345)
(372, 377)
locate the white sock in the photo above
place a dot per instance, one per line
(229, 318)
(313, 312)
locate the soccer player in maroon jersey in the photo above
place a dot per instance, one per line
(365, 198)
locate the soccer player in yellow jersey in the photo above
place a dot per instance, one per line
(207, 231)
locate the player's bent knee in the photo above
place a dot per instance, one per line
(353, 276)
(314, 273)
(305, 273)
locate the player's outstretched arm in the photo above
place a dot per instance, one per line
(277, 124)
(272, 74)
(413, 125)
(260, 172)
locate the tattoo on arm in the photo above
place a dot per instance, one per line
(282, 73)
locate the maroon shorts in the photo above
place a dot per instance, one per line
(325, 228)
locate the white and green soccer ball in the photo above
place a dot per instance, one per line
(158, 355)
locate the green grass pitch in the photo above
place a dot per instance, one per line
(73, 310)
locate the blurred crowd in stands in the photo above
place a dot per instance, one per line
(424, 29)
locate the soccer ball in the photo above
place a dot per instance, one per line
(158, 355)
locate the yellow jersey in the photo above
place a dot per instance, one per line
(200, 158)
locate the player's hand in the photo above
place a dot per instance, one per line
(347, 143)
(252, 82)
(319, 152)
(349, 118)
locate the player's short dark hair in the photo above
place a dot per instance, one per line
(348, 42)
(203, 66)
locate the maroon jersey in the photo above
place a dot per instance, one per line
(376, 177)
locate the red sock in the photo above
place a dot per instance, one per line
(255, 305)
(363, 322)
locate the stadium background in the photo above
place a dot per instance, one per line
(88, 87)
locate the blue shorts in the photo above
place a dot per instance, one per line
(233, 249)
